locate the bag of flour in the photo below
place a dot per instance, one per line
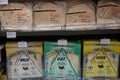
(48, 16)
(80, 16)
(108, 14)
(16, 16)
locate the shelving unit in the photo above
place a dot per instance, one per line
(60, 34)
(67, 34)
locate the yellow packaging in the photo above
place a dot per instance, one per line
(24, 62)
(101, 60)
(3, 77)
(102, 79)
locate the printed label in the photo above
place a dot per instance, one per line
(3, 1)
(11, 34)
(22, 44)
(104, 41)
(62, 42)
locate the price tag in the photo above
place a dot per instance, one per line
(11, 34)
(22, 44)
(3, 1)
(104, 41)
(62, 42)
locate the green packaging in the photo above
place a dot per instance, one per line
(62, 60)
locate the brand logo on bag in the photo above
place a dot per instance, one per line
(21, 14)
(100, 57)
(61, 58)
(24, 59)
(53, 15)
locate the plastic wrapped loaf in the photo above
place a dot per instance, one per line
(24, 62)
(16, 16)
(49, 16)
(108, 14)
(80, 16)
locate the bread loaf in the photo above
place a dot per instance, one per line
(16, 16)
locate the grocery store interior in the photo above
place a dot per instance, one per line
(59, 39)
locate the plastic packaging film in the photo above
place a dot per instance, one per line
(108, 14)
(80, 16)
(62, 61)
(16, 16)
(49, 16)
(23, 63)
(101, 61)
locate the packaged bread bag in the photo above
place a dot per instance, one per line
(48, 16)
(62, 62)
(80, 16)
(16, 16)
(108, 14)
(24, 62)
(100, 60)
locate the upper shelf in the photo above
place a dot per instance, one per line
(55, 35)
(66, 33)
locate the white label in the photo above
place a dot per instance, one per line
(62, 42)
(22, 44)
(11, 34)
(3, 1)
(105, 41)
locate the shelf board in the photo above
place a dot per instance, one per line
(55, 35)
(66, 33)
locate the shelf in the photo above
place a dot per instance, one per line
(72, 35)
(66, 33)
